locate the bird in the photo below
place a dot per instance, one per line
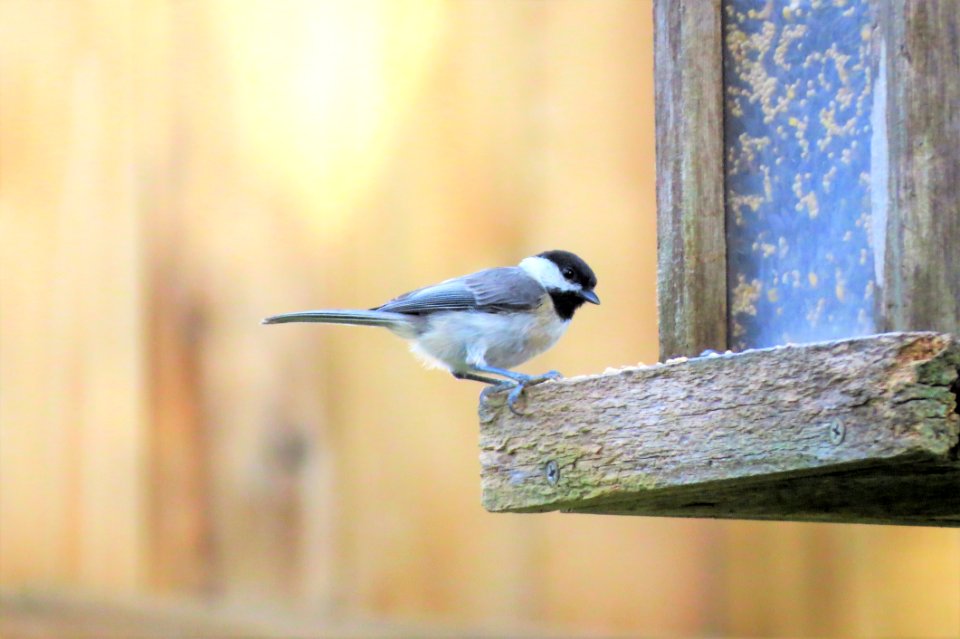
(481, 325)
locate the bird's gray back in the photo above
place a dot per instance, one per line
(495, 290)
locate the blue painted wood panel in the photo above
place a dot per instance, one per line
(799, 91)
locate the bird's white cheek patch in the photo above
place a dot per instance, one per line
(547, 273)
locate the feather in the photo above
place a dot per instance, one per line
(495, 290)
(357, 318)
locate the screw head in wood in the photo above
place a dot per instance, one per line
(837, 431)
(552, 471)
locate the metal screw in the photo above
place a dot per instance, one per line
(837, 432)
(552, 471)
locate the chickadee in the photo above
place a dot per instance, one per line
(484, 323)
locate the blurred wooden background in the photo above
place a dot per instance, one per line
(172, 171)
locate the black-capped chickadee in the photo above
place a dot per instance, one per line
(484, 323)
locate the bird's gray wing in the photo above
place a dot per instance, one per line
(495, 290)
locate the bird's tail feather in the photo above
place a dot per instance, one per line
(357, 318)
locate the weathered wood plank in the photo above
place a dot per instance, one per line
(691, 254)
(920, 89)
(864, 430)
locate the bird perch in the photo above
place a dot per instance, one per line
(861, 430)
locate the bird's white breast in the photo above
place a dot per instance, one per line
(459, 340)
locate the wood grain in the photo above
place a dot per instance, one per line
(921, 290)
(794, 432)
(691, 247)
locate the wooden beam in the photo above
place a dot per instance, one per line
(691, 254)
(919, 87)
(860, 430)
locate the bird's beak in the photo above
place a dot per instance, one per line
(590, 296)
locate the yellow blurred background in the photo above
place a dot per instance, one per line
(174, 170)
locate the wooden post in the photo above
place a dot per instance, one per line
(922, 73)
(691, 254)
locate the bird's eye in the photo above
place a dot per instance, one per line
(567, 273)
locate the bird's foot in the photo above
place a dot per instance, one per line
(496, 388)
(516, 388)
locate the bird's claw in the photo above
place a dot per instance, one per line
(495, 388)
(516, 389)
(514, 396)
